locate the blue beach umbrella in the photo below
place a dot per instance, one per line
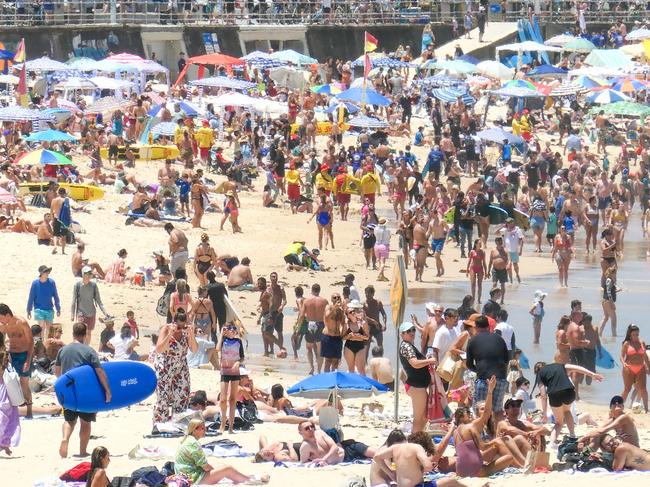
(343, 384)
(51, 135)
(498, 135)
(606, 96)
(189, 109)
(363, 121)
(347, 105)
(359, 95)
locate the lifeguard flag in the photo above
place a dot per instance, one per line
(367, 66)
(21, 92)
(646, 48)
(370, 43)
(19, 55)
(398, 291)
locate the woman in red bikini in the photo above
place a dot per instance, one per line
(562, 254)
(476, 269)
(635, 365)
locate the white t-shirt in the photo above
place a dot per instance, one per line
(506, 333)
(200, 357)
(382, 235)
(354, 294)
(511, 238)
(444, 339)
(121, 346)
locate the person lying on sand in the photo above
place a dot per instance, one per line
(625, 454)
(320, 449)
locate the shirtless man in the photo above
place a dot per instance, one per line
(140, 201)
(380, 368)
(21, 349)
(278, 302)
(376, 317)
(167, 171)
(240, 276)
(313, 310)
(178, 252)
(399, 195)
(626, 455)
(429, 187)
(604, 188)
(601, 127)
(437, 232)
(619, 421)
(59, 230)
(331, 341)
(420, 245)
(573, 205)
(577, 345)
(78, 262)
(522, 433)
(318, 448)
(498, 266)
(44, 231)
(265, 320)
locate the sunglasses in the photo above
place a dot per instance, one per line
(311, 427)
(412, 330)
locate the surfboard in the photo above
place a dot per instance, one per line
(79, 389)
(78, 192)
(604, 359)
(497, 215)
(449, 215)
(232, 314)
(144, 152)
(351, 185)
(163, 218)
(523, 361)
(521, 219)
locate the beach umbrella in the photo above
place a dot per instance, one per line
(570, 89)
(456, 66)
(9, 79)
(51, 135)
(82, 64)
(469, 59)
(293, 57)
(579, 44)
(638, 35)
(495, 69)
(450, 95)
(608, 58)
(289, 77)
(359, 95)
(256, 55)
(498, 135)
(125, 57)
(108, 104)
(439, 80)
(559, 40)
(546, 70)
(343, 104)
(343, 384)
(6, 197)
(58, 114)
(17, 113)
(165, 128)
(76, 84)
(624, 108)
(224, 82)
(606, 96)
(516, 92)
(634, 50)
(232, 98)
(188, 108)
(363, 121)
(518, 83)
(629, 86)
(480, 81)
(329, 89)
(107, 83)
(44, 157)
(45, 64)
(589, 82)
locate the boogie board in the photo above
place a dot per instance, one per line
(521, 219)
(449, 215)
(523, 361)
(351, 185)
(79, 389)
(497, 215)
(144, 152)
(78, 192)
(604, 360)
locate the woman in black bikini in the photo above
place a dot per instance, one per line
(205, 318)
(205, 258)
(356, 338)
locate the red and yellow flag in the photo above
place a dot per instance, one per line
(19, 55)
(367, 66)
(370, 43)
(22, 96)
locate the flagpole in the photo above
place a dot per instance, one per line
(365, 69)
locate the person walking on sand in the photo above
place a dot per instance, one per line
(331, 342)
(382, 247)
(476, 269)
(562, 253)
(420, 246)
(74, 355)
(636, 365)
(177, 248)
(514, 243)
(324, 219)
(313, 310)
(61, 218)
(43, 298)
(537, 312)
(437, 232)
(85, 295)
(21, 350)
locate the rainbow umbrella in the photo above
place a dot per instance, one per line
(44, 157)
(519, 83)
(330, 89)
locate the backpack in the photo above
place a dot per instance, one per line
(162, 307)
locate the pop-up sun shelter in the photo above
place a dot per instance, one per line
(216, 59)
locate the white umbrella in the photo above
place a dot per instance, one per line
(108, 104)
(559, 40)
(495, 69)
(638, 35)
(17, 113)
(46, 64)
(9, 79)
(165, 128)
(76, 84)
(106, 83)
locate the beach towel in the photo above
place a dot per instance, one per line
(366, 461)
(224, 449)
(65, 216)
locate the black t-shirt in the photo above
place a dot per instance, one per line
(414, 377)
(532, 171)
(555, 378)
(104, 338)
(487, 355)
(216, 292)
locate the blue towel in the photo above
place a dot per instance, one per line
(65, 217)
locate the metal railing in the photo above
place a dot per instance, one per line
(296, 12)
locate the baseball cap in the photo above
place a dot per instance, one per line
(86, 269)
(406, 326)
(616, 400)
(512, 402)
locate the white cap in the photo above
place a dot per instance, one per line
(431, 307)
(86, 269)
(355, 304)
(539, 295)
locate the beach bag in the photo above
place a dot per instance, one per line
(12, 383)
(569, 445)
(536, 459)
(162, 307)
(446, 368)
(78, 473)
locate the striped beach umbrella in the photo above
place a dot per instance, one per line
(224, 82)
(44, 157)
(108, 104)
(165, 128)
(629, 86)
(17, 113)
(606, 96)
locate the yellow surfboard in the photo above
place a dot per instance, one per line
(78, 192)
(145, 152)
(351, 185)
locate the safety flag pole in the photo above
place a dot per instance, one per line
(370, 44)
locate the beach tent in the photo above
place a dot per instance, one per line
(216, 59)
(609, 58)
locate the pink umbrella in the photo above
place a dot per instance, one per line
(6, 196)
(125, 57)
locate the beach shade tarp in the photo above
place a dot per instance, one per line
(609, 58)
(216, 59)
(15, 113)
(498, 135)
(359, 95)
(516, 92)
(629, 86)
(44, 157)
(638, 35)
(344, 384)
(108, 104)
(546, 70)
(602, 97)
(624, 108)
(186, 107)
(450, 95)
(293, 57)
(50, 135)
(363, 121)
(165, 128)
(579, 44)
(224, 82)
(495, 69)
(559, 40)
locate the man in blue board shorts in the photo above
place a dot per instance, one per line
(74, 355)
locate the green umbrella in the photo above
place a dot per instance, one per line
(579, 45)
(626, 108)
(457, 66)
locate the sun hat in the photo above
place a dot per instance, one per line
(43, 269)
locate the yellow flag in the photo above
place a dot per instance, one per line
(646, 48)
(398, 291)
